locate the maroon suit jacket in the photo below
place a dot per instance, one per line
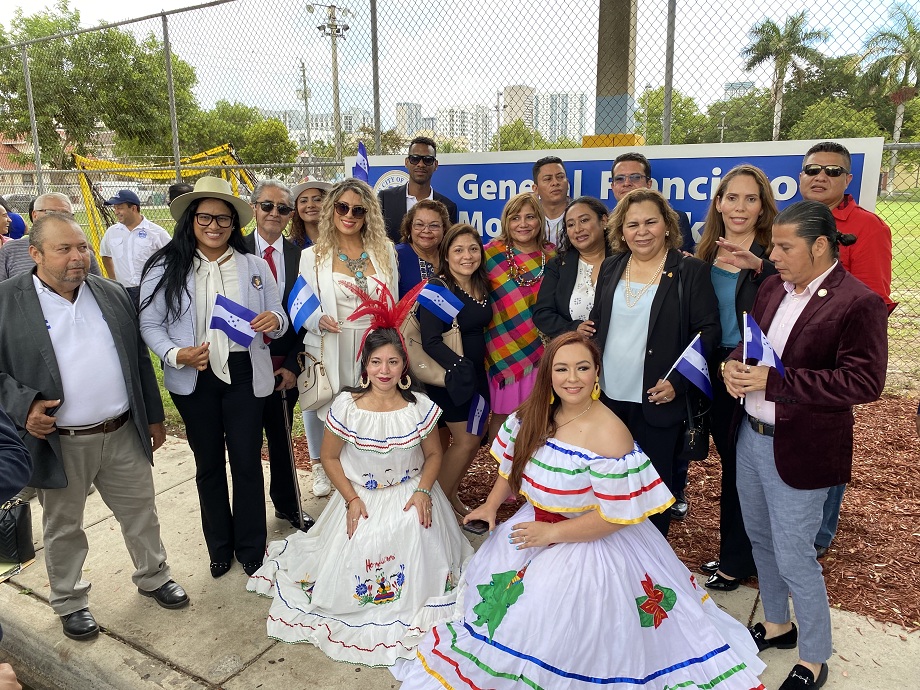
(836, 357)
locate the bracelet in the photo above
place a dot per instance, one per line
(420, 490)
(348, 502)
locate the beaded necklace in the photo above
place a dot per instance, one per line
(515, 272)
(632, 298)
(425, 269)
(356, 266)
(484, 302)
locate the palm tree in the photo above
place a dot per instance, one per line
(895, 68)
(789, 47)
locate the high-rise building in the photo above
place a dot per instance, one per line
(408, 118)
(480, 137)
(453, 123)
(428, 125)
(518, 105)
(734, 89)
(558, 115)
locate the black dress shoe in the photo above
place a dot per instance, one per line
(169, 596)
(294, 518)
(710, 567)
(787, 640)
(220, 568)
(679, 508)
(251, 567)
(800, 678)
(80, 625)
(722, 584)
(821, 550)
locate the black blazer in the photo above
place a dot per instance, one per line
(288, 345)
(551, 313)
(667, 337)
(393, 205)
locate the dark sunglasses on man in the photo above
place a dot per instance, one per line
(356, 211)
(427, 160)
(813, 169)
(268, 206)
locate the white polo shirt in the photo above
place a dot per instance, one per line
(91, 375)
(130, 249)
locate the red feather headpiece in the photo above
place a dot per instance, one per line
(384, 311)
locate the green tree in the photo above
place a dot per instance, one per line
(517, 136)
(687, 122)
(225, 123)
(788, 48)
(746, 118)
(268, 141)
(834, 118)
(391, 143)
(895, 67)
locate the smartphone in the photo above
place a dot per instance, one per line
(476, 526)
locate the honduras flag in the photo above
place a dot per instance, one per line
(302, 302)
(233, 319)
(361, 165)
(440, 301)
(692, 364)
(479, 414)
(756, 346)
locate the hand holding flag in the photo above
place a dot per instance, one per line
(440, 301)
(756, 346)
(233, 319)
(692, 364)
(302, 303)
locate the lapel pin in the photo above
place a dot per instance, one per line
(822, 293)
(670, 274)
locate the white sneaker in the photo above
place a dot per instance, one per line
(321, 484)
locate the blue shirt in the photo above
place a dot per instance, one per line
(724, 283)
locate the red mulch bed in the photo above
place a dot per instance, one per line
(873, 566)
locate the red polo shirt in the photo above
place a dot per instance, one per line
(870, 258)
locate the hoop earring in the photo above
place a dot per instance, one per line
(596, 392)
(552, 397)
(407, 385)
(364, 381)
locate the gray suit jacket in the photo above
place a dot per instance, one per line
(29, 368)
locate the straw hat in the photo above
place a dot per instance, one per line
(212, 188)
(308, 183)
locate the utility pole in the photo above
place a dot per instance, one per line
(305, 92)
(335, 30)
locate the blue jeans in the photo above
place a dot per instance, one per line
(828, 529)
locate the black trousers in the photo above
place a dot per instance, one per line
(281, 487)
(660, 444)
(224, 421)
(735, 557)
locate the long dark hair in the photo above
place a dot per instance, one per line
(537, 414)
(480, 279)
(597, 207)
(178, 256)
(374, 341)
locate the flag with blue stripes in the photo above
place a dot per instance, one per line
(440, 301)
(302, 302)
(756, 346)
(692, 364)
(479, 414)
(362, 167)
(233, 319)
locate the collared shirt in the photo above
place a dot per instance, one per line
(412, 201)
(92, 379)
(130, 249)
(277, 257)
(788, 312)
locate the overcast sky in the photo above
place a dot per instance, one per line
(453, 52)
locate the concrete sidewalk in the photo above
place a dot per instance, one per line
(220, 642)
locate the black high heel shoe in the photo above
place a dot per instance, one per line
(251, 567)
(219, 569)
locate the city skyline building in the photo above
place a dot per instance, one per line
(560, 115)
(408, 118)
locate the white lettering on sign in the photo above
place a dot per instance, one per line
(470, 188)
(784, 187)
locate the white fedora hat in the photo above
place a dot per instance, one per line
(208, 187)
(308, 183)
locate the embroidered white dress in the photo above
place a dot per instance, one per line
(369, 600)
(618, 612)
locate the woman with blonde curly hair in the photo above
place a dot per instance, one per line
(352, 247)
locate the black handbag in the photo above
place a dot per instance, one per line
(16, 532)
(696, 426)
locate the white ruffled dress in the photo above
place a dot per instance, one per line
(370, 599)
(618, 612)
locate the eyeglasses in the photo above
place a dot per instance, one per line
(356, 211)
(434, 227)
(205, 219)
(813, 169)
(268, 207)
(427, 160)
(635, 178)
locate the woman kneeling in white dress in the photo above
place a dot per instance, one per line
(381, 564)
(578, 589)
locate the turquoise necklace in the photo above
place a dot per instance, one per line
(356, 266)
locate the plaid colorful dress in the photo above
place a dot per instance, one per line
(513, 343)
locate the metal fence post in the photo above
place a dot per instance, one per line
(173, 123)
(668, 74)
(376, 77)
(36, 147)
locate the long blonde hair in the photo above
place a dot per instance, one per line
(373, 232)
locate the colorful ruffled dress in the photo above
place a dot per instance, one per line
(618, 612)
(370, 599)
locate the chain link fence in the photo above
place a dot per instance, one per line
(288, 89)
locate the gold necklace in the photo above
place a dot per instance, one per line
(632, 298)
(559, 426)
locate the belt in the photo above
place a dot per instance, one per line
(761, 428)
(106, 427)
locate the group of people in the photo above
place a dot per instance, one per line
(570, 325)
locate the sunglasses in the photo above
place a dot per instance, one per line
(205, 220)
(356, 211)
(268, 207)
(427, 160)
(813, 169)
(635, 178)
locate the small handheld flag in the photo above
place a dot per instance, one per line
(362, 167)
(302, 302)
(233, 319)
(756, 346)
(479, 414)
(692, 364)
(440, 301)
